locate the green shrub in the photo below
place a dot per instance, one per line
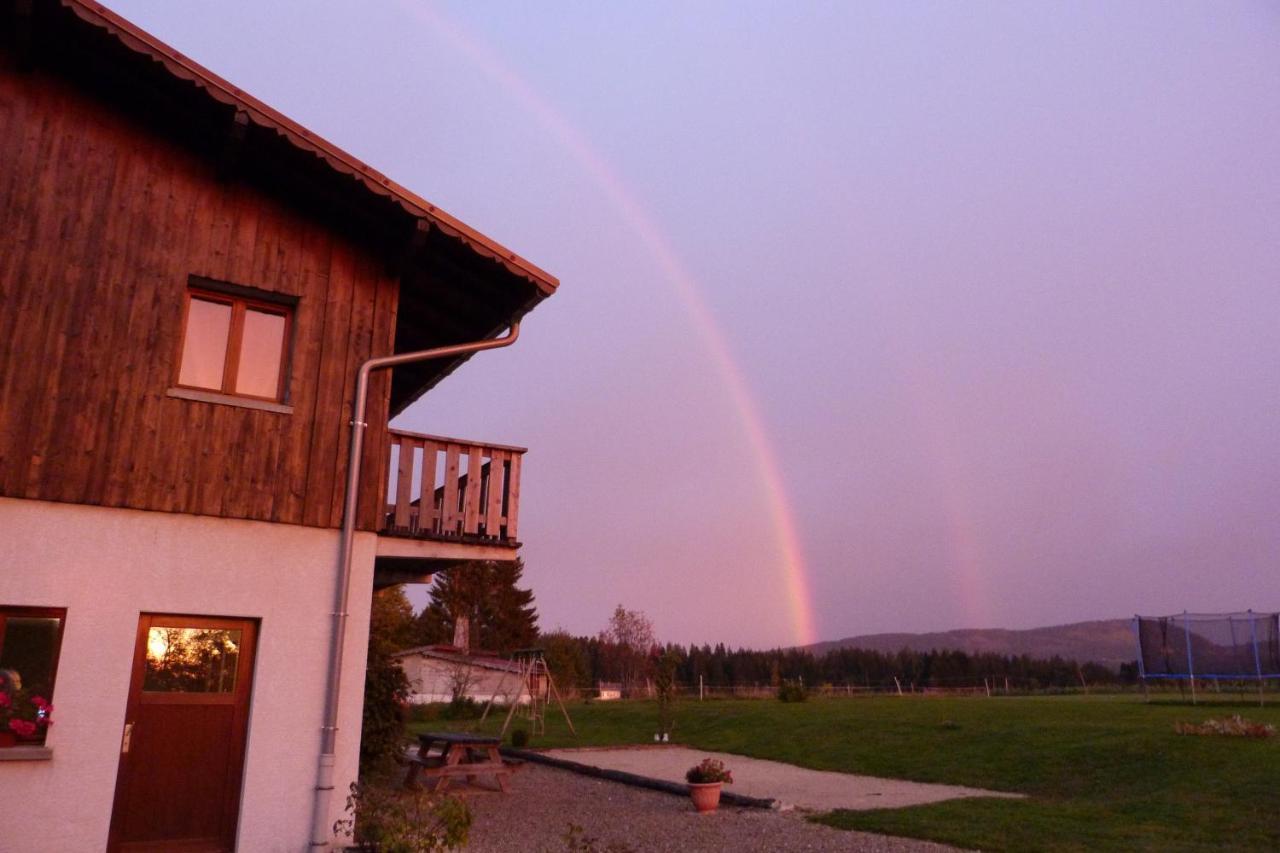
(462, 708)
(425, 713)
(385, 821)
(386, 690)
(792, 691)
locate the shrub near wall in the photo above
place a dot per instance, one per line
(792, 691)
(386, 689)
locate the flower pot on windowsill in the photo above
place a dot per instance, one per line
(8, 739)
(705, 795)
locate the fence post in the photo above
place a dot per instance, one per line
(699, 688)
(1191, 667)
(1257, 661)
(1142, 667)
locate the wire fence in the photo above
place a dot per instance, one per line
(958, 686)
(1230, 646)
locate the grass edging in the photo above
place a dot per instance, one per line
(634, 780)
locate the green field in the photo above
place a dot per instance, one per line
(1100, 772)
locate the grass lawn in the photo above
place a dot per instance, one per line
(1100, 772)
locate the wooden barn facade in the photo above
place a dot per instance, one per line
(189, 284)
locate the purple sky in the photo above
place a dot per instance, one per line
(1003, 282)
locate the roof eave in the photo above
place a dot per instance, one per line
(337, 159)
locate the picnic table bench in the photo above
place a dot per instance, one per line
(459, 754)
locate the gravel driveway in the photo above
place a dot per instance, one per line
(544, 802)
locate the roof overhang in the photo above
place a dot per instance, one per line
(457, 284)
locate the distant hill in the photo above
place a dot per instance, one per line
(1108, 642)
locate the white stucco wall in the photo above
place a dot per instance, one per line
(431, 680)
(106, 566)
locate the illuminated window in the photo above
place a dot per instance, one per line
(30, 638)
(235, 344)
(191, 660)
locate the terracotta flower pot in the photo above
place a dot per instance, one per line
(705, 795)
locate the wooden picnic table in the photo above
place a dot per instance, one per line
(460, 754)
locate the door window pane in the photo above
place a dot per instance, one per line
(191, 660)
(260, 352)
(204, 352)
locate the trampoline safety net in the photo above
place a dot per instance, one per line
(1209, 645)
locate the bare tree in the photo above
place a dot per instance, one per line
(632, 629)
(461, 677)
(627, 641)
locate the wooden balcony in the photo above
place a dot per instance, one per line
(448, 501)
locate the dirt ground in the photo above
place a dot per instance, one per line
(791, 786)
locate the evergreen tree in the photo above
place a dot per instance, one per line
(385, 687)
(568, 659)
(501, 614)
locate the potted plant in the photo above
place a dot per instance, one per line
(22, 716)
(705, 780)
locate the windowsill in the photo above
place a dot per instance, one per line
(229, 400)
(26, 753)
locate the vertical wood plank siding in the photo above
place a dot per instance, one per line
(103, 222)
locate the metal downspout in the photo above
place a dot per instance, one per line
(321, 832)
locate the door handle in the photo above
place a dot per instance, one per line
(128, 736)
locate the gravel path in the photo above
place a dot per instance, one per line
(545, 801)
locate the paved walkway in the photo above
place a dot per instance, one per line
(791, 786)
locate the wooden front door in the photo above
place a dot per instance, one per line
(182, 749)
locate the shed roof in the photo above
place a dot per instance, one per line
(454, 655)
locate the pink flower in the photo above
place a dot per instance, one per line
(22, 728)
(4, 700)
(38, 701)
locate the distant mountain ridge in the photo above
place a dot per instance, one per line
(1108, 642)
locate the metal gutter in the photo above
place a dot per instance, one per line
(320, 829)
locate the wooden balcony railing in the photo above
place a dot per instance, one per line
(447, 488)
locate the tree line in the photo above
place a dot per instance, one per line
(502, 619)
(581, 661)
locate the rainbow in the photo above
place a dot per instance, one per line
(799, 595)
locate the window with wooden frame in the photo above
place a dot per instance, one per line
(235, 342)
(30, 640)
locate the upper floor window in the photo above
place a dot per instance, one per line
(234, 343)
(30, 638)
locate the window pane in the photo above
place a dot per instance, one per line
(28, 651)
(191, 660)
(259, 371)
(30, 643)
(204, 352)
